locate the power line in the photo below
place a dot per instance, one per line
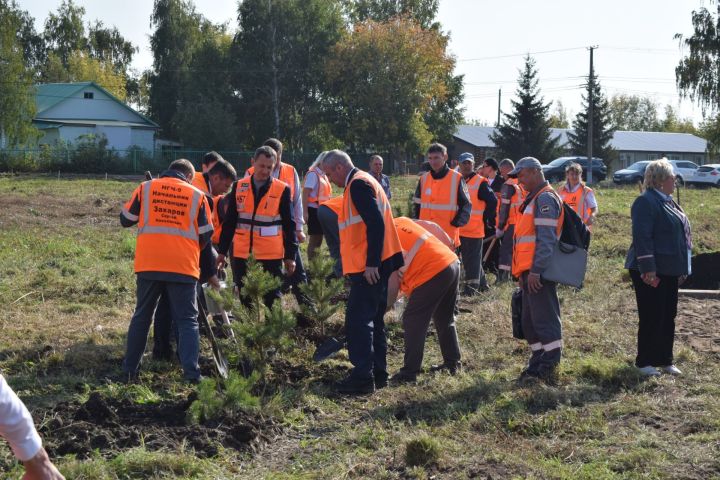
(519, 54)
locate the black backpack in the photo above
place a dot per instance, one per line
(574, 231)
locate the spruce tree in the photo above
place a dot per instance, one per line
(526, 130)
(602, 126)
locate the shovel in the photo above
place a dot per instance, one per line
(221, 363)
(329, 348)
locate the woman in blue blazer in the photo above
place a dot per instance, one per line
(659, 261)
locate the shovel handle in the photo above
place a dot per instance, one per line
(487, 253)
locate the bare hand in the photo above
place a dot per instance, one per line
(650, 279)
(499, 233)
(220, 262)
(372, 275)
(533, 282)
(41, 468)
(300, 235)
(591, 220)
(289, 267)
(214, 282)
(681, 279)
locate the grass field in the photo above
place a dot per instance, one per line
(67, 290)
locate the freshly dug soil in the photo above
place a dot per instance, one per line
(110, 425)
(698, 325)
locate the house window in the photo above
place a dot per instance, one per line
(625, 159)
(674, 157)
(89, 95)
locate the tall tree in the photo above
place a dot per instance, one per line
(526, 130)
(675, 124)
(386, 78)
(278, 53)
(445, 112)
(177, 31)
(32, 42)
(17, 101)
(108, 45)
(559, 117)
(83, 68)
(422, 11)
(602, 127)
(698, 73)
(633, 112)
(65, 32)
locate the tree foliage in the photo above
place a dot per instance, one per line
(81, 67)
(17, 103)
(602, 127)
(633, 112)
(385, 80)
(559, 117)
(65, 32)
(526, 130)
(422, 11)
(698, 73)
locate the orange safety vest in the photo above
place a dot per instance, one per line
(168, 233)
(576, 200)
(515, 201)
(287, 175)
(353, 232)
(217, 224)
(524, 238)
(335, 204)
(475, 228)
(259, 231)
(323, 190)
(200, 183)
(438, 201)
(425, 256)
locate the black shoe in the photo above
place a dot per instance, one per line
(400, 378)
(355, 386)
(130, 378)
(381, 381)
(468, 291)
(451, 368)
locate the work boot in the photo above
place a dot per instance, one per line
(381, 380)
(469, 290)
(401, 377)
(355, 386)
(451, 368)
(502, 276)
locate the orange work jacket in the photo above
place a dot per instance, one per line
(322, 192)
(438, 201)
(259, 231)
(475, 228)
(576, 200)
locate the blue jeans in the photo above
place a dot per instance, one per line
(365, 326)
(182, 300)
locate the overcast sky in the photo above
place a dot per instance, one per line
(636, 53)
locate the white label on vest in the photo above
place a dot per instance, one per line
(428, 191)
(269, 231)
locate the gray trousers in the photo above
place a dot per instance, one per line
(435, 299)
(182, 300)
(506, 249)
(471, 250)
(541, 325)
(329, 223)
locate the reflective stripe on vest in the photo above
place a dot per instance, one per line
(571, 198)
(323, 189)
(258, 230)
(415, 248)
(452, 205)
(189, 232)
(475, 227)
(354, 219)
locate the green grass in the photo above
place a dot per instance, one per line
(67, 288)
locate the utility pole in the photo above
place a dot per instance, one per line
(499, 98)
(591, 82)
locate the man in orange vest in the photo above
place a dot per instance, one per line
(430, 279)
(511, 197)
(472, 234)
(259, 221)
(209, 160)
(537, 232)
(370, 252)
(441, 195)
(173, 220)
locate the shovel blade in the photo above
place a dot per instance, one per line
(328, 349)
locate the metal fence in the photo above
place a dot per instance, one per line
(91, 159)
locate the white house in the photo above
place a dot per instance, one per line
(66, 111)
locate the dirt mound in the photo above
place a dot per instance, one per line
(110, 425)
(698, 325)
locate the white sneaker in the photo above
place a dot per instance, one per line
(649, 371)
(672, 370)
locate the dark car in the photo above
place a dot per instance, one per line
(632, 174)
(555, 170)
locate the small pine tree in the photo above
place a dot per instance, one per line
(526, 131)
(215, 400)
(602, 128)
(320, 291)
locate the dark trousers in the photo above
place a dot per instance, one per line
(506, 249)
(365, 325)
(329, 223)
(164, 330)
(471, 250)
(541, 325)
(182, 301)
(239, 268)
(434, 299)
(299, 277)
(657, 309)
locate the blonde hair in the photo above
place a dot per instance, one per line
(657, 172)
(318, 160)
(575, 167)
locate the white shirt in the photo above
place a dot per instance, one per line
(16, 424)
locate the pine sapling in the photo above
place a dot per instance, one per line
(320, 291)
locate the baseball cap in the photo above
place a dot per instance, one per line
(466, 157)
(526, 162)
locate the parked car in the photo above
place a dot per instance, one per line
(555, 170)
(632, 174)
(706, 175)
(684, 170)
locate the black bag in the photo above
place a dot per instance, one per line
(516, 308)
(574, 231)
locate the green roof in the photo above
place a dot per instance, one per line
(47, 95)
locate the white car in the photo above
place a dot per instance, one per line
(684, 170)
(707, 175)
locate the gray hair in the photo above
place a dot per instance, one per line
(506, 162)
(336, 157)
(319, 160)
(184, 166)
(657, 172)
